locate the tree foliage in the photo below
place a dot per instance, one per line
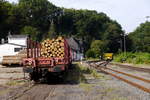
(97, 48)
(90, 53)
(36, 13)
(29, 30)
(141, 38)
(5, 18)
(36, 16)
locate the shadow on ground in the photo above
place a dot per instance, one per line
(72, 76)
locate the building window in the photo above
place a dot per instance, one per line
(17, 49)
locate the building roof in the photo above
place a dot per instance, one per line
(74, 44)
(13, 44)
(17, 36)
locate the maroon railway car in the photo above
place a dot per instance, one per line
(40, 67)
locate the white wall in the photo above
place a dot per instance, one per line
(19, 41)
(7, 49)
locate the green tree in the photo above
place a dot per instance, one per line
(5, 11)
(36, 13)
(29, 30)
(113, 34)
(37, 16)
(141, 38)
(98, 47)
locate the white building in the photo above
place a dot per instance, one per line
(14, 45)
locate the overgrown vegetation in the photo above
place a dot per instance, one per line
(97, 48)
(79, 72)
(140, 38)
(135, 58)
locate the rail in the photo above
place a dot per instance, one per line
(106, 70)
(147, 70)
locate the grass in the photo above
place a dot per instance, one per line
(86, 87)
(89, 71)
(15, 82)
(134, 58)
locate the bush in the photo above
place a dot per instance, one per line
(135, 58)
(97, 48)
(90, 54)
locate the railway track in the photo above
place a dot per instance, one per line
(147, 70)
(122, 76)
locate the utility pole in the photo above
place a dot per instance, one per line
(124, 47)
(120, 42)
(124, 39)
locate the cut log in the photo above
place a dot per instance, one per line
(53, 48)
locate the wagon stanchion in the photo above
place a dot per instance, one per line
(27, 48)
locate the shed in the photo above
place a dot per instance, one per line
(77, 48)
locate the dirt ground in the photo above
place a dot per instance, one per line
(80, 84)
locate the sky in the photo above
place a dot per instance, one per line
(128, 13)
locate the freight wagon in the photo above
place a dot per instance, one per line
(40, 66)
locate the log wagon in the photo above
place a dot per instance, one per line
(52, 56)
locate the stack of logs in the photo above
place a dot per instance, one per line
(14, 59)
(52, 48)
